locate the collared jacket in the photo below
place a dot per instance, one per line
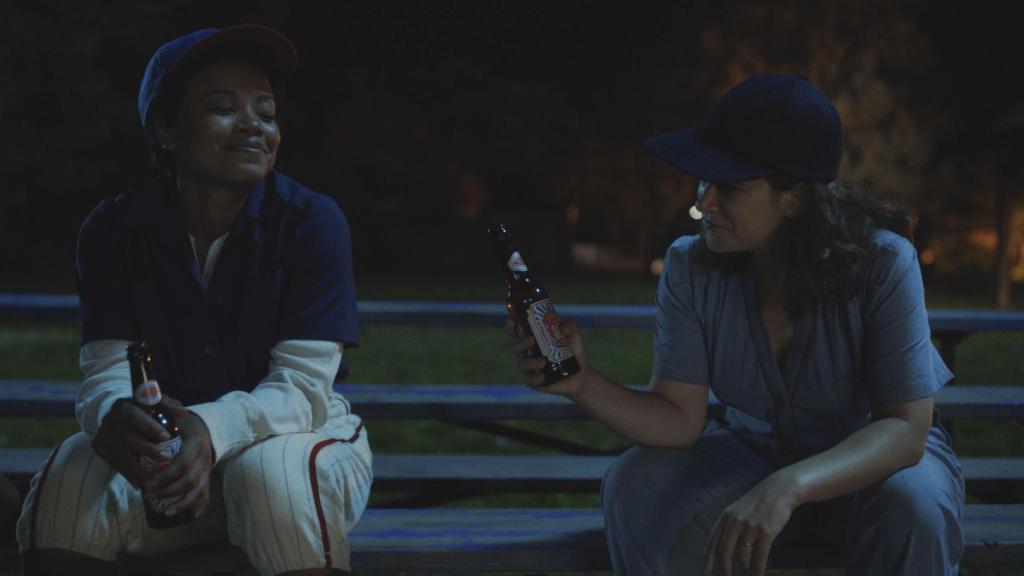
(255, 348)
(873, 349)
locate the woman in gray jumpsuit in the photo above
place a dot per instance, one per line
(801, 306)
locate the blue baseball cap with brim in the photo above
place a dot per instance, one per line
(766, 125)
(178, 59)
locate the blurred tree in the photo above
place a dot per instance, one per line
(1007, 137)
(865, 56)
(871, 57)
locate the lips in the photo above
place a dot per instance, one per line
(248, 146)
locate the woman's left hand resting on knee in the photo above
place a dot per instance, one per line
(893, 440)
(185, 481)
(747, 528)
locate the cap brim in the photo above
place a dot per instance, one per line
(266, 47)
(685, 150)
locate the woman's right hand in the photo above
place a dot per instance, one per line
(126, 434)
(532, 367)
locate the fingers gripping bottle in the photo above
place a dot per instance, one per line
(528, 302)
(146, 395)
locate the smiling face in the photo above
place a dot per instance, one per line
(226, 130)
(744, 216)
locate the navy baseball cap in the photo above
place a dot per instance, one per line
(176, 60)
(765, 125)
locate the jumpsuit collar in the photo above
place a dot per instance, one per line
(781, 382)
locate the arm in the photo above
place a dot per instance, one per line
(120, 432)
(671, 414)
(902, 376)
(107, 379)
(894, 440)
(318, 319)
(293, 397)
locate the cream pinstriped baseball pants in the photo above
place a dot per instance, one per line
(288, 501)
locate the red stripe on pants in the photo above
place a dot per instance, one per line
(314, 484)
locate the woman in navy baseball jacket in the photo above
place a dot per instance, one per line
(240, 279)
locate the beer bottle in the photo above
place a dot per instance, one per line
(528, 302)
(146, 395)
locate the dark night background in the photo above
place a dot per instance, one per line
(426, 121)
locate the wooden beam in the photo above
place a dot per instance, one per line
(536, 540)
(49, 398)
(20, 306)
(505, 472)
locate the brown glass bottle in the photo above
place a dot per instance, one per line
(146, 395)
(528, 302)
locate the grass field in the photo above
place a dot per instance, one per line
(410, 354)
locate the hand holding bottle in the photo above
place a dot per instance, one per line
(534, 312)
(532, 365)
(184, 482)
(125, 436)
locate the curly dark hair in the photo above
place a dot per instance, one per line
(826, 245)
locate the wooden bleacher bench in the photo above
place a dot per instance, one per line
(527, 540)
(536, 540)
(459, 473)
(55, 398)
(441, 539)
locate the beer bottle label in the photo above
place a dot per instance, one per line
(167, 451)
(148, 393)
(544, 324)
(516, 264)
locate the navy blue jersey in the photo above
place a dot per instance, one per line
(284, 273)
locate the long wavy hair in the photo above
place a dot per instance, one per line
(826, 245)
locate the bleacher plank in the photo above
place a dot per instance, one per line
(502, 472)
(48, 398)
(537, 540)
(20, 306)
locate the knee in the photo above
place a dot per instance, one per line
(903, 510)
(291, 501)
(73, 503)
(333, 479)
(639, 482)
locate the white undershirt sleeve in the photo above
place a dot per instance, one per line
(107, 379)
(293, 397)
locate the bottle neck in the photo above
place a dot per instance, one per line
(145, 389)
(516, 277)
(148, 393)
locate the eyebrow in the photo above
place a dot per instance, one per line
(263, 96)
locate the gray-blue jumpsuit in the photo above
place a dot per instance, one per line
(660, 504)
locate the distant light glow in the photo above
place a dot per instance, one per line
(696, 214)
(657, 265)
(572, 214)
(928, 257)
